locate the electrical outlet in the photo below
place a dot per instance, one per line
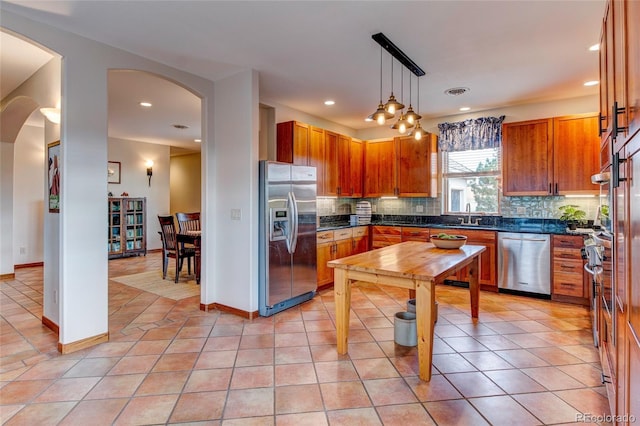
(55, 296)
(521, 210)
(373, 208)
(236, 214)
(23, 250)
(333, 208)
(419, 208)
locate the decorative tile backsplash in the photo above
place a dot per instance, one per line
(516, 207)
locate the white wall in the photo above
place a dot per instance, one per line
(83, 295)
(235, 242)
(185, 183)
(29, 196)
(133, 156)
(6, 207)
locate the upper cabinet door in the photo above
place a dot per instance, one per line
(414, 163)
(293, 143)
(316, 155)
(331, 171)
(576, 149)
(344, 172)
(632, 16)
(380, 169)
(527, 157)
(356, 162)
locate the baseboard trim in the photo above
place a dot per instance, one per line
(158, 250)
(83, 344)
(6, 277)
(51, 325)
(230, 310)
(28, 265)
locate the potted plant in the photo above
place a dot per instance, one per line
(572, 215)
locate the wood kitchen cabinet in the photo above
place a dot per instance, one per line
(343, 161)
(569, 281)
(336, 244)
(415, 234)
(382, 236)
(379, 169)
(551, 156)
(416, 166)
(360, 242)
(402, 167)
(488, 259)
(356, 164)
(302, 144)
(620, 148)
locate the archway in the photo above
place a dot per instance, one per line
(162, 131)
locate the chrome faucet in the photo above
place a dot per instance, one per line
(468, 218)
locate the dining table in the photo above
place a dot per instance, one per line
(415, 266)
(194, 238)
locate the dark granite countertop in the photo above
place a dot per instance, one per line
(487, 223)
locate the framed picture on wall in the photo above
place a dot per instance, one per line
(113, 172)
(53, 155)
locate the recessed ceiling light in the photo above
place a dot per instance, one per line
(465, 109)
(591, 83)
(329, 102)
(595, 47)
(197, 140)
(145, 104)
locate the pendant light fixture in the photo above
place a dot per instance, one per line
(418, 132)
(392, 104)
(381, 115)
(402, 124)
(411, 116)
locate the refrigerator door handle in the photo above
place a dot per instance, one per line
(294, 222)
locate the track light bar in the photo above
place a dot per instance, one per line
(388, 45)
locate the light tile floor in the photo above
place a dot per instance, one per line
(527, 361)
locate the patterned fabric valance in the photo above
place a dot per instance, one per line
(478, 133)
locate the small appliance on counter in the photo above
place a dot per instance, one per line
(363, 212)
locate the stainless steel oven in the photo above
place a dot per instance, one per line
(603, 217)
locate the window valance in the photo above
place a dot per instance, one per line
(474, 133)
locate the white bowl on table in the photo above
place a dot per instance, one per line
(453, 242)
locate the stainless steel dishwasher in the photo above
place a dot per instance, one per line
(524, 262)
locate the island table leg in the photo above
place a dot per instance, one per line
(342, 296)
(474, 287)
(425, 305)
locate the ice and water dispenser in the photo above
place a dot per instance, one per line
(279, 224)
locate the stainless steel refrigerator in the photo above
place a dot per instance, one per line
(287, 236)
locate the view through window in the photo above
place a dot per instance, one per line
(471, 178)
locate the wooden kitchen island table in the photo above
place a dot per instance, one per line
(412, 265)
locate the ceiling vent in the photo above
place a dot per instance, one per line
(180, 126)
(456, 91)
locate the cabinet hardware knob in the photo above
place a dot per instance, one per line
(604, 378)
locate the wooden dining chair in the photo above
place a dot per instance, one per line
(188, 221)
(171, 248)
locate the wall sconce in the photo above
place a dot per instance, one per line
(149, 170)
(51, 114)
